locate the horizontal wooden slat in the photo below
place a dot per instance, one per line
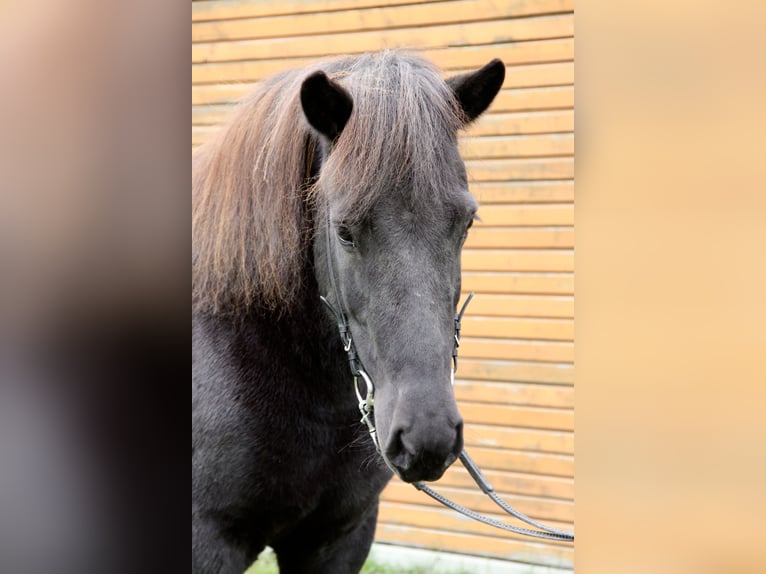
(516, 371)
(518, 438)
(408, 513)
(521, 306)
(249, 71)
(516, 350)
(523, 192)
(210, 115)
(525, 215)
(534, 63)
(510, 282)
(200, 134)
(523, 417)
(552, 555)
(385, 18)
(522, 461)
(517, 260)
(517, 328)
(439, 36)
(511, 53)
(517, 146)
(209, 94)
(534, 75)
(514, 393)
(560, 511)
(519, 169)
(512, 482)
(533, 99)
(520, 237)
(522, 123)
(225, 9)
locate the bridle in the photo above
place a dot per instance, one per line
(366, 398)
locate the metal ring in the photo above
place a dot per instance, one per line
(370, 386)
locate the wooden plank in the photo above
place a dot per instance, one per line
(518, 438)
(512, 482)
(219, 93)
(515, 146)
(377, 18)
(520, 169)
(210, 115)
(206, 10)
(523, 192)
(545, 554)
(522, 123)
(517, 260)
(534, 75)
(400, 493)
(520, 237)
(511, 53)
(200, 134)
(516, 350)
(533, 99)
(502, 282)
(247, 71)
(522, 461)
(518, 328)
(543, 418)
(440, 36)
(505, 305)
(516, 371)
(526, 215)
(520, 394)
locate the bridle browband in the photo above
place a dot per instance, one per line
(366, 405)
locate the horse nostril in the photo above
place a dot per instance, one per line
(396, 451)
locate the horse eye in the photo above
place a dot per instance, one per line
(345, 237)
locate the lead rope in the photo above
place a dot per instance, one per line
(547, 533)
(366, 400)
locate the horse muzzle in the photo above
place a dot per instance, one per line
(425, 447)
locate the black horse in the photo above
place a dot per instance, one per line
(345, 172)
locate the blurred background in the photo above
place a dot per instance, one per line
(515, 385)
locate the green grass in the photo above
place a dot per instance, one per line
(267, 564)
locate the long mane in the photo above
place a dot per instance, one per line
(251, 197)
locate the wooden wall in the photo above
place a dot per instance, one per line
(515, 385)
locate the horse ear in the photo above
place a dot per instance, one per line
(476, 90)
(326, 105)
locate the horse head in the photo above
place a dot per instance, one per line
(392, 213)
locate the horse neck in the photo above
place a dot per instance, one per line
(299, 339)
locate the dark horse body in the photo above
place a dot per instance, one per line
(360, 167)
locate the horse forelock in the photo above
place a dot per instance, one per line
(250, 196)
(398, 138)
